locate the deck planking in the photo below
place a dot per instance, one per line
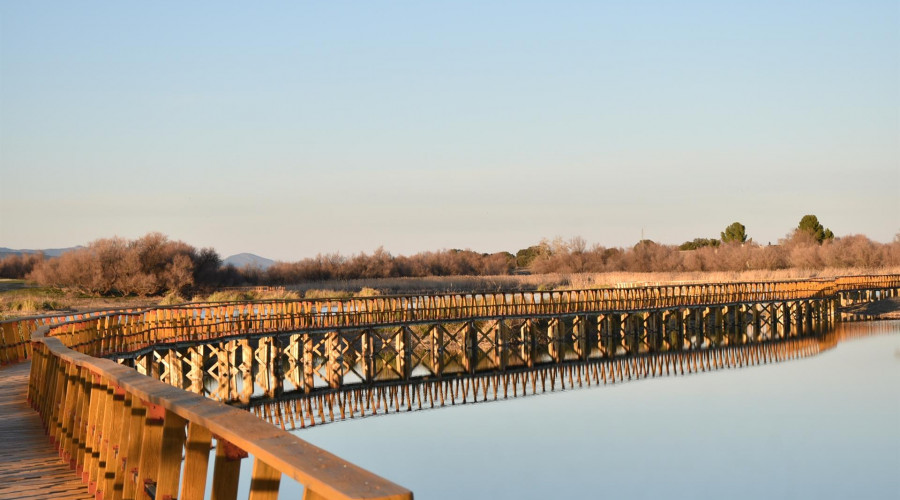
(30, 467)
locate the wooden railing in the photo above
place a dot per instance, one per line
(15, 334)
(129, 329)
(126, 434)
(118, 333)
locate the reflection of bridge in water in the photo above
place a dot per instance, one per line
(296, 379)
(300, 363)
(295, 410)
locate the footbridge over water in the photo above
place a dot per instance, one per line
(124, 423)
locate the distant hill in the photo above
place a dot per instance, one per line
(248, 259)
(48, 252)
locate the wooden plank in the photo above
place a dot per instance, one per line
(170, 456)
(265, 481)
(196, 461)
(30, 467)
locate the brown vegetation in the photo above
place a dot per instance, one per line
(18, 266)
(153, 265)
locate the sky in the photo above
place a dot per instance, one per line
(298, 128)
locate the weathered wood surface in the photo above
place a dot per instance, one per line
(129, 332)
(89, 422)
(30, 467)
(85, 401)
(102, 333)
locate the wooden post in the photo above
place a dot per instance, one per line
(502, 343)
(554, 339)
(615, 336)
(527, 343)
(334, 359)
(308, 362)
(471, 347)
(195, 374)
(437, 350)
(169, 471)
(277, 368)
(226, 470)
(368, 356)
(404, 352)
(265, 481)
(580, 333)
(151, 446)
(131, 460)
(196, 462)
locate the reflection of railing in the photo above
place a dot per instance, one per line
(99, 412)
(239, 369)
(126, 433)
(124, 332)
(297, 410)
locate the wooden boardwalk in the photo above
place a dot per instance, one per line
(30, 467)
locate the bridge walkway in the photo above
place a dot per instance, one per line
(30, 467)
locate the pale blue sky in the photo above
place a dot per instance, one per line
(292, 129)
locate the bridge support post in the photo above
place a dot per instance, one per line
(631, 332)
(554, 339)
(785, 320)
(649, 334)
(754, 322)
(173, 368)
(675, 330)
(295, 363)
(248, 360)
(437, 349)
(620, 334)
(196, 368)
(501, 341)
(597, 329)
(581, 332)
(309, 360)
(368, 356)
(717, 335)
(404, 352)
(816, 317)
(527, 344)
(277, 367)
(471, 347)
(335, 359)
(698, 332)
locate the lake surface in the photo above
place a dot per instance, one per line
(826, 426)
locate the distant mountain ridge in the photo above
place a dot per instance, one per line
(48, 252)
(238, 260)
(248, 259)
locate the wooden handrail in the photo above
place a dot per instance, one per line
(119, 333)
(119, 329)
(125, 430)
(87, 406)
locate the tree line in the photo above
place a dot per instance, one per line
(155, 265)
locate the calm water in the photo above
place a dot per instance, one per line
(821, 427)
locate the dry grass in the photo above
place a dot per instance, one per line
(249, 294)
(316, 293)
(561, 281)
(18, 300)
(602, 280)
